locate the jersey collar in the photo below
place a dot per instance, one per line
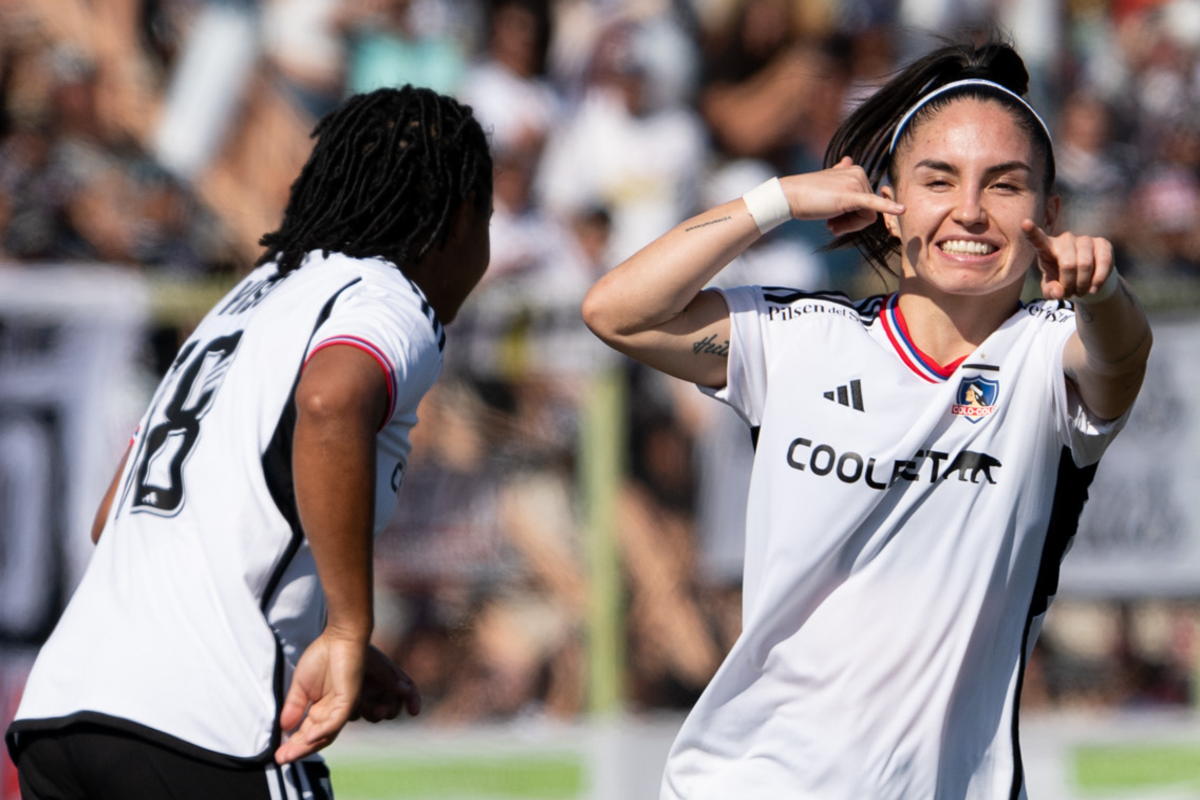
(897, 332)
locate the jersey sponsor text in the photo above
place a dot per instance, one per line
(851, 467)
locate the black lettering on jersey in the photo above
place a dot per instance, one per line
(253, 293)
(904, 470)
(785, 313)
(1052, 310)
(936, 457)
(787, 304)
(158, 474)
(976, 463)
(851, 467)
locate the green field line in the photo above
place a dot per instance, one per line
(1101, 768)
(517, 777)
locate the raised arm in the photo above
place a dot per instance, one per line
(652, 307)
(1106, 357)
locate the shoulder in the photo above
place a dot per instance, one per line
(371, 279)
(380, 299)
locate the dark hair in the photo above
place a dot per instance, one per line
(866, 134)
(386, 174)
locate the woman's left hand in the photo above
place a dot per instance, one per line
(1071, 266)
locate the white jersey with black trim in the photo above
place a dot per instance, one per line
(904, 530)
(202, 591)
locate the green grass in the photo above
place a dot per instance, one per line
(515, 777)
(1101, 768)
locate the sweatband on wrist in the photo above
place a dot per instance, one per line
(768, 205)
(1107, 289)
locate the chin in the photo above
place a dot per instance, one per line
(973, 283)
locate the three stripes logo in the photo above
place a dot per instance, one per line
(849, 395)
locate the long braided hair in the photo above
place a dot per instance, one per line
(866, 134)
(386, 174)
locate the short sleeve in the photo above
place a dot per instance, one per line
(388, 321)
(1082, 432)
(745, 388)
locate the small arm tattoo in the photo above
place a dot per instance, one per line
(706, 224)
(709, 346)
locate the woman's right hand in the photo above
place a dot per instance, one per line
(652, 306)
(841, 195)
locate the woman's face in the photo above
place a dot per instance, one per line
(968, 177)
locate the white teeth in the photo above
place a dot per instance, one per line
(965, 247)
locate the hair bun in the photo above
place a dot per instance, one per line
(998, 62)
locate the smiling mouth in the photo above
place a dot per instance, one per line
(963, 247)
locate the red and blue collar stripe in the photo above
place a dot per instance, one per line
(897, 332)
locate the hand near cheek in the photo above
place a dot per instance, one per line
(1071, 266)
(841, 195)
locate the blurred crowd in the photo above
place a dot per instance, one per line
(163, 134)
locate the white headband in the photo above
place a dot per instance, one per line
(907, 118)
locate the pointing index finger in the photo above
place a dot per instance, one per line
(883, 205)
(1037, 237)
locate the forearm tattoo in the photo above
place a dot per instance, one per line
(708, 346)
(706, 224)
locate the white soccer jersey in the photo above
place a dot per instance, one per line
(202, 591)
(904, 530)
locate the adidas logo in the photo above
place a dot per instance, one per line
(848, 395)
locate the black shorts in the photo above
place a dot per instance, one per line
(91, 762)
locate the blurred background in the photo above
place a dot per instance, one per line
(562, 576)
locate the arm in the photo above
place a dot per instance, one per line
(340, 402)
(106, 504)
(754, 116)
(1106, 356)
(652, 308)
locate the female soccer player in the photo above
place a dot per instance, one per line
(229, 599)
(921, 458)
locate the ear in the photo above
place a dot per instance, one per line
(890, 221)
(1053, 207)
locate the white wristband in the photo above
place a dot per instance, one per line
(1106, 290)
(768, 205)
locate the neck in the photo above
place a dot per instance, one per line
(948, 327)
(426, 281)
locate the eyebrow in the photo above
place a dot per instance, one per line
(943, 166)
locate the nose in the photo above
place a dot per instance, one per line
(969, 210)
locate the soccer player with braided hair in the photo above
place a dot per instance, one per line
(220, 636)
(921, 457)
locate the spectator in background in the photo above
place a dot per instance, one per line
(773, 95)
(394, 42)
(78, 189)
(1163, 217)
(507, 85)
(1094, 171)
(301, 39)
(758, 81)
(620, 150)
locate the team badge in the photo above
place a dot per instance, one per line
(976, 398)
